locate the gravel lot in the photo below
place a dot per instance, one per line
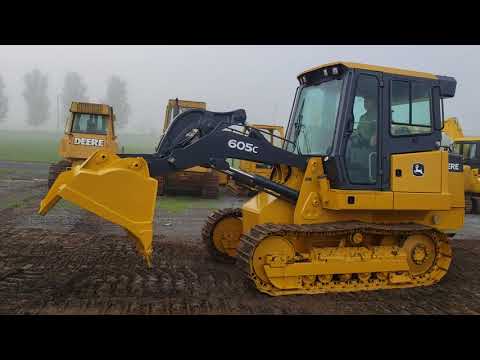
(71, 262)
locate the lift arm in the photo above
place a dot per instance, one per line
(204, 138)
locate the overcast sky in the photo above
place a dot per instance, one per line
(260, 79)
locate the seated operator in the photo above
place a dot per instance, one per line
(91, 125)
(363, 144)
(367, 125)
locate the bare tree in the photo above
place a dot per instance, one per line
(117, 98)
(35, 95)
(74, 89)
(3, 102)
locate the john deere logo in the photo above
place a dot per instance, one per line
(88, 142)
(418, 169)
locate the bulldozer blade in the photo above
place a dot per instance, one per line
(117, 189)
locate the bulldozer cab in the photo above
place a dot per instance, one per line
(469, 148)
(176, 107)
(195, 180)
(358, 117)
(89, 127)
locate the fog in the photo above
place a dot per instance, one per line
(259, 79)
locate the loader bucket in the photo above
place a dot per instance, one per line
(117, 189)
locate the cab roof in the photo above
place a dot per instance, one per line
(467, 139)
(90, 108)
(447, 84)
(266, 126)
(384, 69)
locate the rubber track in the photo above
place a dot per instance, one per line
(248, 243)
(207, 232)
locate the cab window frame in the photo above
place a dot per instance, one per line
(104, 119)
(411, 82)
(355, 85)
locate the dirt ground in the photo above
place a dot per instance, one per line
(71, 262)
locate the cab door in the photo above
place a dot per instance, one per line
(363, 167)
(408, 127)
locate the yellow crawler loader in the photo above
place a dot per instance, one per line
(363, 195)
(274, 134)
(469, 148)
(196, 180)
(89, 127)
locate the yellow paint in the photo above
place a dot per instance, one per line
(318, 203)
(363, 200)
(384, 69)
(118, 190)
(452, 128)
(226, 235)
(222, 178)
(77, 152)
(264, 208)
(430, 182)
(421, 201)
(471, 180)
(183, 104)
(467, 139)
(346, 260)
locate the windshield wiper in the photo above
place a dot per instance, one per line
(298, 123)
(307, 141)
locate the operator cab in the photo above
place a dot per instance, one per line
(89, 124)
(356, 116)
(87, 118)
(469, 148)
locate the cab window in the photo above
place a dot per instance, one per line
(89, 124)
(411, 103)
(468, 151)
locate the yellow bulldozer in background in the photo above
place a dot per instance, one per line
(88, 128)
(363, 195)
(275, 134)
(469, 148)
(197, 180)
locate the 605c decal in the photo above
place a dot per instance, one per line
(243, 146)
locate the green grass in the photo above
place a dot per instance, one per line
(6, 171)
(30, 146)
(179, 204)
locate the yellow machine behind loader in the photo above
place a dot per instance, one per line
(363, 195)
(469, 148)
(274, 134)
(196, 180)
(88, 128)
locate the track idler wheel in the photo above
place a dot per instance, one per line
(421, 253)
(221, 234)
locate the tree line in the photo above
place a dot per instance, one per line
(74, 89)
